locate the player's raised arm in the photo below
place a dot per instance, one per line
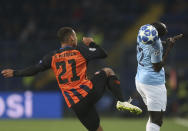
(169, 43)
(43, 65)
(90, 50)
(162, 30)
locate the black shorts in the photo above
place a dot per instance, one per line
(85, 109)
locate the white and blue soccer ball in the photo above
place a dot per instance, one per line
(147, 34)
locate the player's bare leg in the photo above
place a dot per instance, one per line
(155, 121)
(100, 128)
(114, 87)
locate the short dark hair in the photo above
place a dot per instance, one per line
(161, 28)
(64, 33)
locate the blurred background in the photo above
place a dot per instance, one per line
(28, 32)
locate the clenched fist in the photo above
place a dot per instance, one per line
(7, 73)
(87, 40)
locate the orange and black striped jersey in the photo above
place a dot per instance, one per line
(70, 67)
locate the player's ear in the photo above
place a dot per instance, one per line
(71, 38)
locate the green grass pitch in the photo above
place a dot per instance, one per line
(72, 124)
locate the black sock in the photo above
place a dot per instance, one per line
(114, 87)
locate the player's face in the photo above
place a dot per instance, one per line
(74, 39)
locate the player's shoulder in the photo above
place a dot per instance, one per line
(156, 48)
(81, 46)
(48, 57)
(157, 44)
(61, 50)
(51, 53)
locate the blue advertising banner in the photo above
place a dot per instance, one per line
(31, 105)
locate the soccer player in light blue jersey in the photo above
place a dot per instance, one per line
(150, 77)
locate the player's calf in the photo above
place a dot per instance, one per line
(156, 117)
(113, 84)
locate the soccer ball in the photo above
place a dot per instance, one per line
(147, 34)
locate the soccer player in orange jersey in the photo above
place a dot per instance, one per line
(69, 64)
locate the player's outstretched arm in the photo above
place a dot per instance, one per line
(43, 65)
(29, 71)
(170, 43)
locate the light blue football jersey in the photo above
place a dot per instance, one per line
(146, 55)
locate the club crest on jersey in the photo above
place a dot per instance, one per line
(156, 53)
(92, 49)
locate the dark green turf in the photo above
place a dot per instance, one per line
(72, 124)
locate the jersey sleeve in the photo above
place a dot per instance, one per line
(93, 51)
(44, 64)
(156, 54)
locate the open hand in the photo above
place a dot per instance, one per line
(87, 40)
(7, 73)
(171, 41)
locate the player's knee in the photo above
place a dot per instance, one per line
(108, 71)
(157, 120)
